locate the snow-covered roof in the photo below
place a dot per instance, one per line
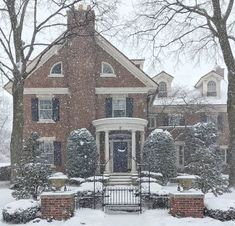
(183, 92)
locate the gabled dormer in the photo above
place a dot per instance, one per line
(164, 81)
(210, 84)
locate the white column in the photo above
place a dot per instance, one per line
(97, 139)
(133, 151)
(106, 148)
(142, 139)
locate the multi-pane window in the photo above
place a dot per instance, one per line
(47, 152)
(223, 153)
(162, 89)
(107, 68)
(180, 156)
(119, 107)
(56, 69)
(45, 109)
(176, 120)
(211, 89)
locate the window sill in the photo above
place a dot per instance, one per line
(46, 121)
(55, 76)
(107, 75)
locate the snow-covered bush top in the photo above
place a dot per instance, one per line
(159, 154)
(82, 156)
(20, 205)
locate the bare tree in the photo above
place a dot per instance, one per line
(23, 23)
(193, 28)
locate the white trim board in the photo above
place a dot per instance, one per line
(46, 91)
(122, 90)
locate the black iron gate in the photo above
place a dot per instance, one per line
(122, 198)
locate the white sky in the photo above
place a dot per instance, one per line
(185, 73)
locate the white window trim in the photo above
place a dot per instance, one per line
(118, 98)
(48, 140)
(107, 75)
(44, 120)
(51, 75)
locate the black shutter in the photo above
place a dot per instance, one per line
(57, 153)
(108, 107)
(165, 119)
(56, 109)
(182, 121)
(34, 109)
(129, 107)
(203, 117)
(220, 122)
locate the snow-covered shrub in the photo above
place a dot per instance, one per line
(220, 214)
(159, 154)
(20, 211)
(31, 180)
(82, 154)
(204, 158)
(31, 175)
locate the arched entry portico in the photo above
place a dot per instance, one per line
(120, 141)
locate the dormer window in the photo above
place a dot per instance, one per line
(211, 89)
(162, 89)
(107, 70)
(56, 70)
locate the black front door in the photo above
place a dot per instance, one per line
(120, 159)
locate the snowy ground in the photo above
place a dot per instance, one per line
(89, 217)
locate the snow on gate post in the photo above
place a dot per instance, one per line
(58, 205)
(186, 203)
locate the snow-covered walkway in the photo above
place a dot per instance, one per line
(89, 217)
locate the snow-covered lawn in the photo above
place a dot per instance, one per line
(224, 202)
(89, 217)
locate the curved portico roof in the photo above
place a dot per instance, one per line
(120, 123)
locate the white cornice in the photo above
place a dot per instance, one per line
(46, 91)
(122, 90)
(124, 61)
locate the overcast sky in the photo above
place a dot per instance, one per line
(185, 73)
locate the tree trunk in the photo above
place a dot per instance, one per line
(230, 64)
(231, 120)
(18, 125)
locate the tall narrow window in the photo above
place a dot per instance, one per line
(46, 152)
(119, 107)
(45, 109)
(107, 70)
(181, 156)
(211, 89)
(162, 89)
(56, 69)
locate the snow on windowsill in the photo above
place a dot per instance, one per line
(46, 121)
(55, 75)
(108, 75)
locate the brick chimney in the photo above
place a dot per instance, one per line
(81, 20)
(219, 70)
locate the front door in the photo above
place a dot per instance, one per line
(120, 159)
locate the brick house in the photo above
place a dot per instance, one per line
(200, 99)
(88, 83)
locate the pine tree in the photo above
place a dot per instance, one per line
(82, 154)
(159, 154)
(32, 175)
(204, 157)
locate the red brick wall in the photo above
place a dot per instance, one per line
(187, 206)
(81, 59)
(57, 207)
